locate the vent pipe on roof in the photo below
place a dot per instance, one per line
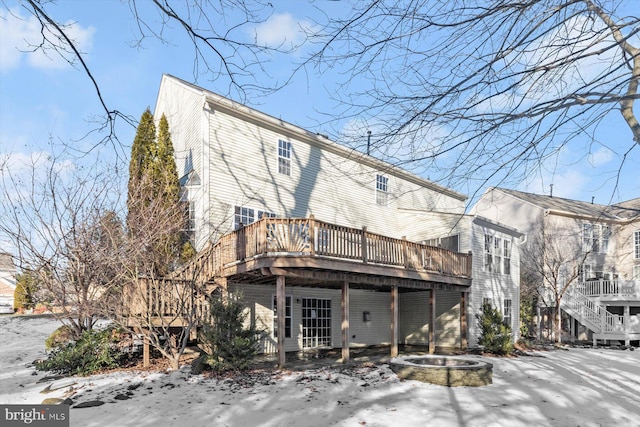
(368, 142)
(592, 198)
(551, 194)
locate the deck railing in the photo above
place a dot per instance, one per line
(311, 237)
(306, 237)
(616, 287)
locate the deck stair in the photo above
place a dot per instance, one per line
(587, 301)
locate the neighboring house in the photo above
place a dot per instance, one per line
(340, 248)
(605, 298)
(7, 282)
(495, 263)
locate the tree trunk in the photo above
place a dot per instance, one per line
(558, 322)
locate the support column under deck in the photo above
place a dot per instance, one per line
(281, 309)
(463, 321)
(345, 322)
(432, 321)
(394, 321)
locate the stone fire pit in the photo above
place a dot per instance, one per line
(443, 370)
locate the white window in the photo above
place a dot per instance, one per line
(488, 252)
(243, 216)
(316, 322)
(595, 238)
(586, 273)
(506, 312)
(506, 257)
(284, 157)
(382, 187)
(190, 215)
(636, 272)
(265, 214)
(497, 255)
(636, 240)
(287, 316)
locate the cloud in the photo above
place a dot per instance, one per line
(600, 157)
(282, 30)
(22, 40)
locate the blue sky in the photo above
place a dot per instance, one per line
(45, 102)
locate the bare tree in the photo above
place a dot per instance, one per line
(56, 217)
(467, 91)
(552, 260)
(217, 29)
(163, 310)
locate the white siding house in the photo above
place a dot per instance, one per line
(604, 242)
(496, 259)
(344, 229)
(7, 282)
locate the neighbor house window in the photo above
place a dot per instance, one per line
(382, 187)
(595, 238)
(506, 257)
(636, 240)
(506, 312)
(586, 272)
(287, 316)
(636, 272)
(284, 157)
(497, 255)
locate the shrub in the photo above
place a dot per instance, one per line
(229, 344)
(59, 337)
(93, 351)
(23, 295)
(495, 335)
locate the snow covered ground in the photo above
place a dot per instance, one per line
(576, 387)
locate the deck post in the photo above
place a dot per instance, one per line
(394, 321)
(312, 235)
(364, 245)
(463, 321)
(281, 309)
(146, 353)
(345, 321)
(626, 320)
(405, 253)
(432, 321)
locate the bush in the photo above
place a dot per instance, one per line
(495, 336)
(92, 352)
(59, 337)
(226, 340)
(23, 295)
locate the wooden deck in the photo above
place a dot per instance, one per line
(298, 243)
(304, 252)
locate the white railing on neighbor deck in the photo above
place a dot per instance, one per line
(616, 287)
(583, 308)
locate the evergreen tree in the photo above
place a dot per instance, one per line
(143, 152)
(229, 342)
(24, 294)
(166, 173)
(154, 196)
(495, 335)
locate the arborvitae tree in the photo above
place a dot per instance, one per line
(24, 294)
(154, 191)
(166, 173)
(143, 152)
